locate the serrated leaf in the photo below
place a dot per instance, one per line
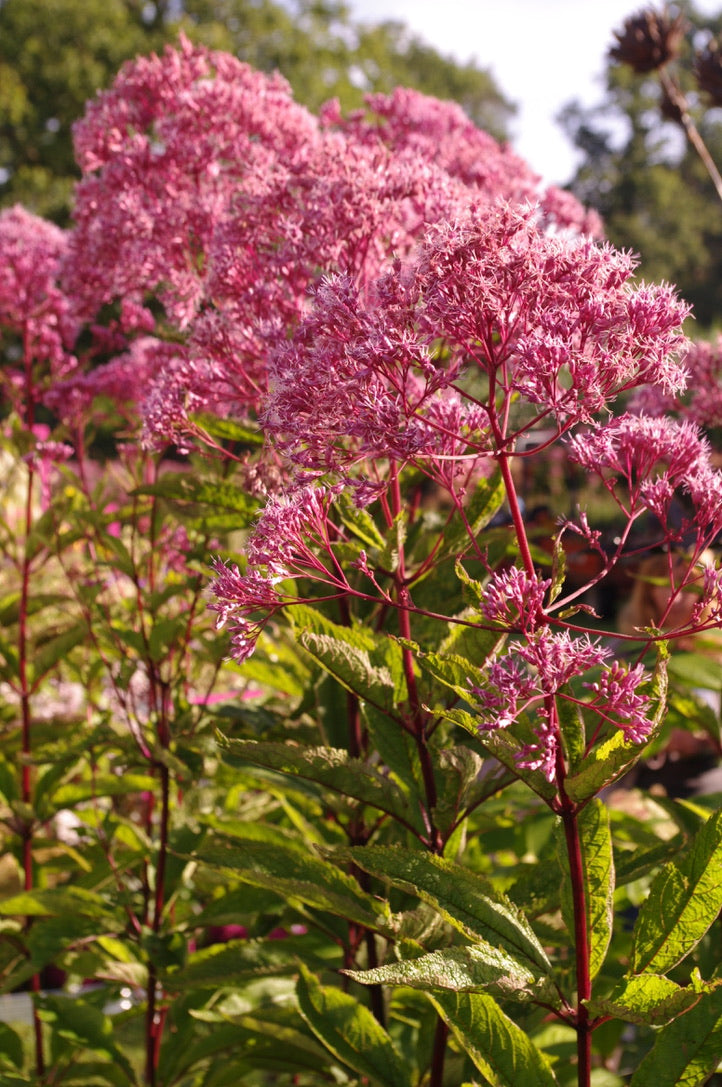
(355, 656)
(451, 670)
(463, 970)
(56, 901)
(241, 960)
(648, 999)
(571, 724)
(184, 487)
(334, 769)
(397, 751)
(294, 872)
(463, 898)
(497, 1046)
(603, 765)
(683, 902)
(595, 843)
(559, 569)
(349, 1031)
(686, 1051)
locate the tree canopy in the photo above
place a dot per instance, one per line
(55, 54)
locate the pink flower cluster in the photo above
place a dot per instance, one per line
(207, 187)
(533, 673)
(32, 305)
(658, 464)
(552, 319)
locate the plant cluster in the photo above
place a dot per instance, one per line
(309, 740)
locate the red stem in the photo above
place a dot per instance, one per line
(570, 823)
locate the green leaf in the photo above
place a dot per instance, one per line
(480, 508)
(240, 960)
(604, 764)
(47, 655)
(687, 1051)
(83, 1025)
(257, 856)
(11, 1047)
(215, 504)
(397, 751)
(355, 656)
(349, 1031)
(453, 671)
(648, 999)
(56, 901)
(332, 768)
(571, 724)
(696, 670)
(498, 1047)
(463, 970)
(684, 900)
(465, 899)
(595, 843)
(226, 429)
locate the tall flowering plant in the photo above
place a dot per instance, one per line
(364, 327)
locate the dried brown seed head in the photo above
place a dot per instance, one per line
(648, 40)
(708, 71)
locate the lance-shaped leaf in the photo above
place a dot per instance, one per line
(684, 900)
(334, 769)
(505, 747)
(465, 899)
(86, 1027)
(258, 857)
(498, 1047)
(260, 1037)
(595, 843)
(463, 970)
(357, 657)
(350, 1032)
(56, 901)
(242, 960)
(647, 999)
(687, 1051)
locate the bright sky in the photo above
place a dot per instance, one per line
(542, 53)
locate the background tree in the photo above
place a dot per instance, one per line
(639, 171)
(55, 54)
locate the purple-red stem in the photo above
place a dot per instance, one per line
(569, 816)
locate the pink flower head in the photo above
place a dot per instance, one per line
(32, 304)
(245, 602)
(514, 598)
(164, 152)
(618, 699)
(652, 456)
(550, 317)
